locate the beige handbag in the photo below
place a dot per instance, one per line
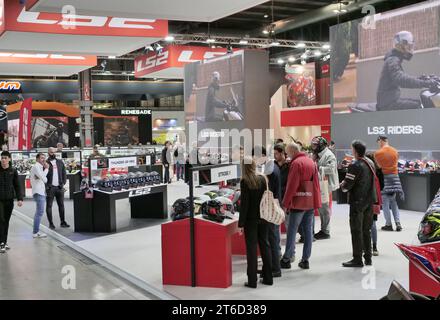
(270, 208)
(323, 184)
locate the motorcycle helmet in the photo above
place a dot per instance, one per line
(404, 43)
(319, 144)
(198, 202)
(104, 184)
(227, 204)
(212, 194)
(84, 184)
(225, 192)
(426, 259)
(429, 230)
(140, 179)
(213, 210)
(117, 182)
(124, 182)
(155, 177)
(132, 180)
(148, 179)
(180, 209)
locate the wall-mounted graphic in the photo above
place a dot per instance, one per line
(301, 88)
(48, 131)
(121, 131)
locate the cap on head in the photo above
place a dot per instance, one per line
(382, 138)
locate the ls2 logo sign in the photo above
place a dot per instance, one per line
(139, 192)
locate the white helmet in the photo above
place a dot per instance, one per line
(404, 41)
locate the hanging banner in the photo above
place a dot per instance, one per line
(3, 119)
(24, 132)
(170, 61)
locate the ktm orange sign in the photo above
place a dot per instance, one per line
(9, 86)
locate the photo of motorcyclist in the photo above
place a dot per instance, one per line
(393, 77)
(212, 102)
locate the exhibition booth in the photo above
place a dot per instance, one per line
(180, 238)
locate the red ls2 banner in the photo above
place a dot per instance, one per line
(24, 131)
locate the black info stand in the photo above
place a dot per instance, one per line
(98, 214)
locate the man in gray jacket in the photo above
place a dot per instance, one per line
(327, 166)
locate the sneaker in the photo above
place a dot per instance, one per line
(322, 236)
(7, 247)
(39, 235)
(368, 262)
(375, 252)
(301, 240)
(285, 264)
(274, 274)
(304, 265)
(64, 225)
(2, 248)
(387, 228)
(52, 226)
(398, 227)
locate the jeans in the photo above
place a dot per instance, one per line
(390, 201)
(40, 201)
(361, 221)
(58, 194)
(324, 214)
(180, 171)
(374, 233)
(6, 207)
(166, 178)
(295, 219)
(274, 242)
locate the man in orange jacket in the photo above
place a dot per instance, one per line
(302, 169)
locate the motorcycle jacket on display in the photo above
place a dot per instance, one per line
(392, 78)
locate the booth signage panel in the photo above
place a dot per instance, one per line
(122, 162)
(139, 192)
(223, 173)
(48, 59)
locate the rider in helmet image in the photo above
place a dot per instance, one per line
(393, 77)
(212, 102)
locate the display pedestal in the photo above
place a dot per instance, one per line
(74, 181)
(419, 189)
(213, 253)
(146, 203)
(421, 283)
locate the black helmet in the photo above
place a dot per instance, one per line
(124, 182)
(132, 180)
(140, 178)
(213, 210)
(319, 144)
(155, 177)
(117, 182)
(148, 179)
(180, 209)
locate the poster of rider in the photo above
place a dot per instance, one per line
(214, 89)
(389, 63)
(48, 131)
(301, 85)
(121, 131)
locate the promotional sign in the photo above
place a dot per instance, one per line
(3, 119)
(170, 61)
(301, 90)
(378, 78)
(224, 173)
(24, 132)
(114, 163)
(10, 86)
(139, 192)
(63, 32)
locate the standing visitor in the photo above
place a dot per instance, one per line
(359, 183)
(166, 158)
(302, 169)
(256, 230)
(38, 177)
(9, 189)
(387, 159)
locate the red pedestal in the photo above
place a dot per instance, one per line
(213, 253)
(421, 283)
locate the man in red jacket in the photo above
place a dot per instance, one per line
(302, 169)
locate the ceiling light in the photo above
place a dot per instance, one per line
(243, 42)
(213, 47)
(265, 31)
(280, 61)
(303, 62)
(304, 56)
(292, 59)
(112, 57)
(266, 16)
(344, 10)
(210, 40)
(169, 38)
(301, 45)
(317, 53)
(326, 46)
(336, 11)
(274, 43)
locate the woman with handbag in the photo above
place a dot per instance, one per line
(256, 230)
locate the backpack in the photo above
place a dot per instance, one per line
(270, 209)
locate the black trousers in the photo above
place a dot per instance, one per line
(361, 221)
(256, 234)
(166, 178)
(6, 207)
(274, 247)
(58, 194)
(402, 104)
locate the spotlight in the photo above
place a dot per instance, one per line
(274, 43)
(243, 42)
(210, 40)
(266, 16)
(292, 59)
(301, 45)
(280, 61)
(169, 38)
(112, 57)
(266, 31)
(317, 53)
(303, 62)
(326, 46)
(304, 56)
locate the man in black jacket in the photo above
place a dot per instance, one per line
(9, 189)
(166, 158)
(393, 76)
(56, 179)
(212, 102)
(359, 182)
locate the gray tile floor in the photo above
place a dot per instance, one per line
(32, 269)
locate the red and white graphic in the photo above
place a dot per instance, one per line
(2, 16)
(24, 131)
(169, 63)
(75, 34)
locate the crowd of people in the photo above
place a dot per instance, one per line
(295, 179)
(48, 178)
